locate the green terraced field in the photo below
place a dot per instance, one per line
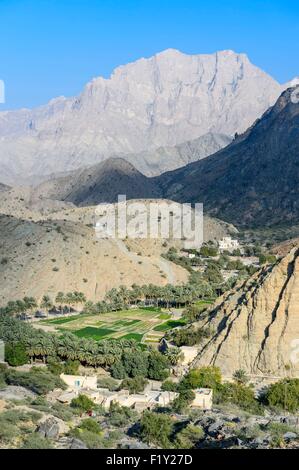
(164, 316)
(60, 321)
(169, 325)
(94, 333)
(141, 324)
(126, 322)
(137, 337)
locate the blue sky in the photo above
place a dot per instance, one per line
(53, 47)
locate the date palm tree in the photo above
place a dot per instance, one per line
(46, 303)
(60, 300)
(240, 377)
(78, 298)
(30, 304)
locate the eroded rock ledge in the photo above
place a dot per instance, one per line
(255, 327)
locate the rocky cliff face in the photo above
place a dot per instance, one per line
(157, 161)
(162, 101)
(256, 326)
(255, 180)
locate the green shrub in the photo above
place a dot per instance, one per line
(35, 441)
(267, 259)
(16, 416)
(238, 394)
(188, 336)
(208, 251)
(156, 429)
(15, 354)
(121, 415)
(91, 425)
(8, 432)
(157, 366)
(55, 366)
(91, 439)
(283, 395)
(135, 384)
(83, 403)
(183, 401)
(118, 370)
(108, 382)
(2, 381)
(189, 436)
(169, 386)
(71, 367)
(135, 364)
(205, 377)
(38, 380)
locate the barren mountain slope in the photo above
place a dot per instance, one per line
(47, 257)
(100, 183)
(256, 326)
(255, 180)
(50, 248)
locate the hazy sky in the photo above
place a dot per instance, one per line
(53, 47)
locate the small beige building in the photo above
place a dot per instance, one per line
(2, 352)
(203, 398)
(77, 382)
(228, 244)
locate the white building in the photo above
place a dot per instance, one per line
(228, 244)
(203, 398)
(2, 352)
(77, 382)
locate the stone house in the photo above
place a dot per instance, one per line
(228, 244)
(203, 399)
(77, 382)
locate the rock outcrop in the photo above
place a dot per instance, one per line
(255, 327)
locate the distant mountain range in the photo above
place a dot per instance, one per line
(162, 101)
(252, 182)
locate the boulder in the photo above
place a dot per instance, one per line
(290, 421)
(52, 427)
(290, 436)
(77, 444)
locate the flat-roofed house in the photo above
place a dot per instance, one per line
(76, 382)
(203, 398)
(228, 244)
(2, 352)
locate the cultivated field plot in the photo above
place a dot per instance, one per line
(143, 325)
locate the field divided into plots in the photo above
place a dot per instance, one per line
(146, 325)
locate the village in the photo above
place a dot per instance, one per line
(151, 397)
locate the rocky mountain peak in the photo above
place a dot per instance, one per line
(161, 101)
